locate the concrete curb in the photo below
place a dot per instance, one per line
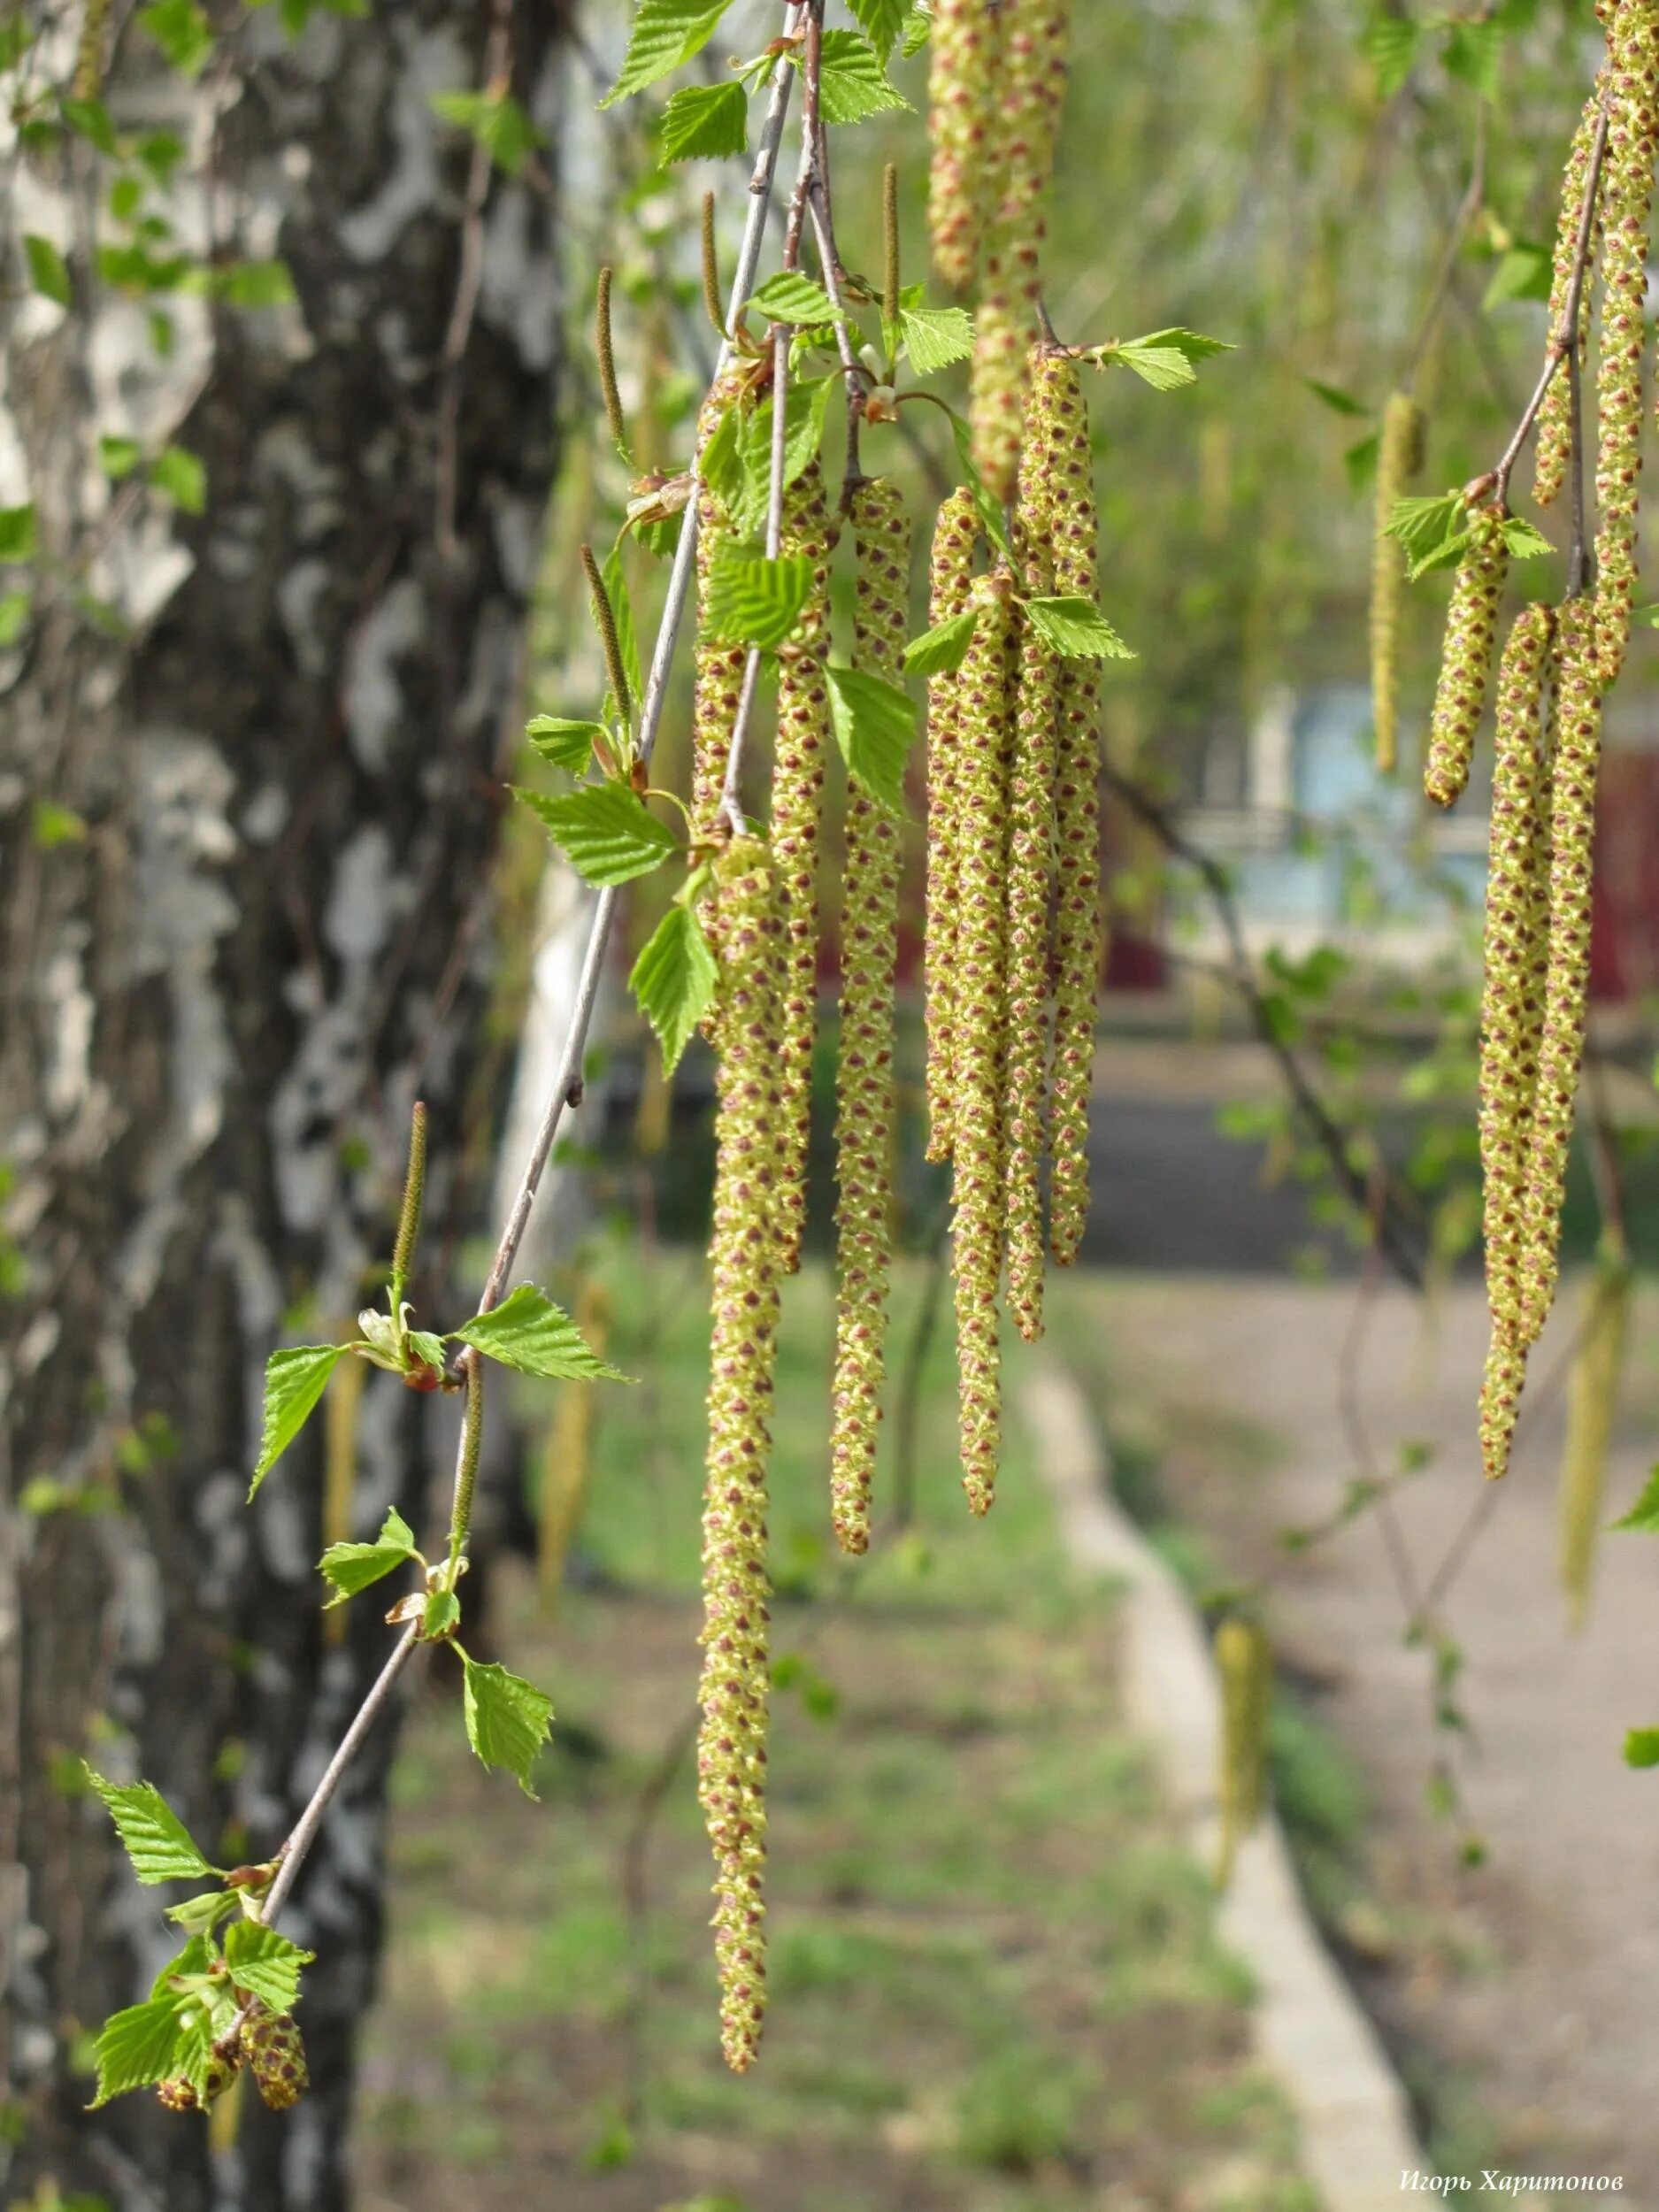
(1356, 2136)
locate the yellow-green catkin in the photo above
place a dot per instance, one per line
(274, 2049)
(1516, 952)
(1031, 86)
(950, 582)
(1471, 622)
(961, 68)
(718, 681)
(1078, 937)
(1031, 881)
(1592, 1399)
(1244, 1660)
(88, 80)
(1399, 457)
(1632, 78)
(985, 716)
(797, 807)
(744, 1256)
(1553, 449)
(865, 1096)
(1577, 744)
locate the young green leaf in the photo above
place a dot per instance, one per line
(18, 534)
(495, 121)
(673, 979)
(564, 744)
(705, 122)
(1390, 45)
(881, 21)
(1524, 540)
(721, 466)
(349, 1568)
(48, 271)
(156, 1841)
(201, 1914)
(1338, 402)
(181, 30)
(1359, 461)
(942, 650)
(874, 723)
(1077, 628)
(264, 1964)
(148, 2043)
(664, 34)
(119, 457)
(919, 29)
(1641, 1747)
(508, 1719)
(1446, 555)
(441, 1614)
(1644, 1515)
(295, 1379)
(1523, 274)
(1474, 52)
(752, 601)
(789, 297)
(934, 337)
(1423, 523)
(528, 1332)
(854, 83)
(181, 477)
(608, 834)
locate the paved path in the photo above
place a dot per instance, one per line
(1547, 1994)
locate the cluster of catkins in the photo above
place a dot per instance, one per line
(1554, 672)
(269, 2044)
(763, 919)
(996, 84)
(1013, 947)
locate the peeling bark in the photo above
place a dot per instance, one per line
(220, 1004)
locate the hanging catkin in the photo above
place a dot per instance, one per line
(1399, 457)
(1471, 622)
(275, 2051)
(981, 1019)
(960, 97)
(1592, 1394)
(950, 582)
(1245, 1661)
(1078, 947)
(797, 805)
(1515, 955)
(732, 1741)
(1626, 201)
(719, 676)
(1030, 881)
(1554, 448)
(864, 1104)
(1030, 84)
(1560, 1044)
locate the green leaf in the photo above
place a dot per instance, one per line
(51, 826)
(720, 464)
(664, 34)
(178, 474)
(528, 1332)
(854, 83)
(564, 744)
(881, 21)
(181, 30)
(264, 1964)
(1644, 1515)
(203, 1912)
(673, 979)
(1360, 461)
(1421, 524)
(1390, 45)
(1641, 1747)
(145, 2044)
(49, 273)
(934, 337)
(1078, 628)
(1446, 555)
(295, 1379)
(441, 1614)
(918, 27)
(1522, 273)
(990, 512)
(789, 297)
(942, 650)
(606, 833)
(1338, 402)
(119, 456)
(508, 1719)
(1474, 52)
(754, 600)
(353, 1567)
(1524, 540)
(156, 1841)
(1191, 345)
(252, 285)
(705, 122)
(1163, 367)
(803, 414)
(16, 533)
(495, 121)
(875, 724)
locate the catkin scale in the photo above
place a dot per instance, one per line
(797, 806)
(864, 1097)
(1244, 1660)
(1079, 946)
(961, 71)
(1553, 447)
(275, 2050)
(950, 582)
(981, 1021)
(744, 1256)
(1632, 80)
(1460, 696)
(178, 2093)
(1399, 457)
(1592, 1394)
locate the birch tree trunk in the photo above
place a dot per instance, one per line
(222, 995)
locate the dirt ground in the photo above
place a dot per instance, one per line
(1519, 1994)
